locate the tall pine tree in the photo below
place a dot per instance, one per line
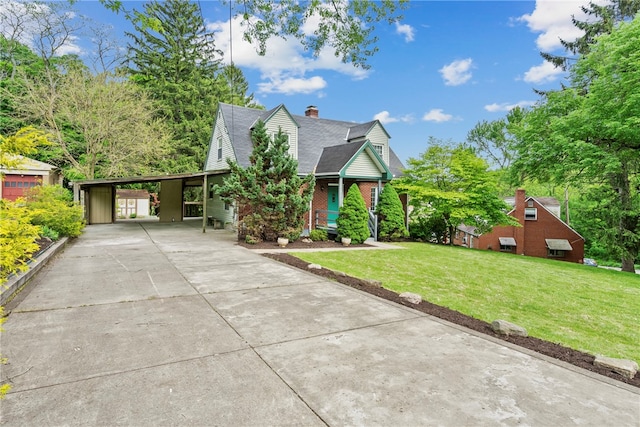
(272, 199)
(177, 62)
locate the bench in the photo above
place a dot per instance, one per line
(216, 223)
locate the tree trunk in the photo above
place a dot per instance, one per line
(628, 222)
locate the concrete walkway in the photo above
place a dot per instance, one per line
(152, 324)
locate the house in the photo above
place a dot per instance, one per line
(16, 181)
(338, 153)
(132, 203)
(543, 234)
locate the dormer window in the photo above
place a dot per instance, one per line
(285, 135)
(379, 149)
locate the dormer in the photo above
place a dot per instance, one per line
(375, 133)
(279, 119)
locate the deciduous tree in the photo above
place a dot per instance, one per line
(103, 126)
(451, 185)
(590, 133)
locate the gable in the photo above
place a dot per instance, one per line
(220, 147)
(547, 221)
(280, 119)
(363, 166)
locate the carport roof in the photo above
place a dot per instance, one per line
(196, 177)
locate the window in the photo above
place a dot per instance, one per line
(19, 184)
(507, 248)
(219, 148)
(530, 214)
(379, 149)
(13, 184)
(555, 253)
(374, 198)
(7, 184)
(226, 206)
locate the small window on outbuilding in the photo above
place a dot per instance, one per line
(530, 214)
(507, 244)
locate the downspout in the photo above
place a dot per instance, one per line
(340, 191)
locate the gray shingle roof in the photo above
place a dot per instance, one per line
(333, 159)
(314, 135)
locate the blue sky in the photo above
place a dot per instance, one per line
(446, 66)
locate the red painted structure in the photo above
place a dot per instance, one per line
(542, 234)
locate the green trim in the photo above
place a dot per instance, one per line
(368, 147)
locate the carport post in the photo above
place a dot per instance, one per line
(204, 202)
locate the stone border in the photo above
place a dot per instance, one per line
(17, 282)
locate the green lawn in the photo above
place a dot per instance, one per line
(589, 309)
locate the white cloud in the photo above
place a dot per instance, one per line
(457, 72)
(285, 66)
(505, 106)
(436, 115)
(543, 73)
(290, 86)
(552, 18)
(385, 117)
(406, 30)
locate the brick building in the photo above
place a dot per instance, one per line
(542, 233)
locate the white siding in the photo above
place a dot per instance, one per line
(215, 206)
(377, 136)
(363, 166)
(282, 120)
(220, 131)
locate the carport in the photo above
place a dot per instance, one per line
(98, 196)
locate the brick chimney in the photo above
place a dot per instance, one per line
(311, 111)
(518, 213)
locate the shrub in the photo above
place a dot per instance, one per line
(353, 217)
(133, 215)
(391, 226)
(318, 235)
(17, 238)
(49, 233)
(53, 206)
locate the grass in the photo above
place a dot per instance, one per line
(593, 310)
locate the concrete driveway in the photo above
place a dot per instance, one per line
(153, 324)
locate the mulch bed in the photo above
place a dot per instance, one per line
(557, 351)
(300, 244)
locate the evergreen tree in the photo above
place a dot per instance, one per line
(391, 213)
(177, 63)
(603, 19)
(271, 197)
(353, 218)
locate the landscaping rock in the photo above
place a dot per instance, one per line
(306, 240)
(340, 273)
(626, 368)
(411, 297)
(314, 267)
(507, 328)
(372, 282)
